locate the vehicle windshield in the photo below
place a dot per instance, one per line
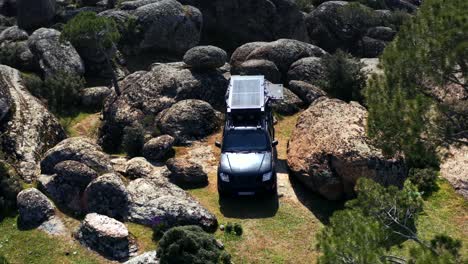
(245, 140)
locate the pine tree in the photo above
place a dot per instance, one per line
(408, 107)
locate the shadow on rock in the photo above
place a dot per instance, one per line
(249, 207)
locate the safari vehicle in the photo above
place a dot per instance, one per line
(248, 148)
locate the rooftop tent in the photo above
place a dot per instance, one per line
(251, 93)
(246, 92)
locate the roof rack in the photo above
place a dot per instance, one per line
(251, 93)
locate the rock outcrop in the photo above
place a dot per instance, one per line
(158, 148)
(167, 25)
(205, 57)
(94, 97)
(308, 93)
(106, 236)
(233, 23)
(283, 53)
(290, 104)
(189, 119)
(107, 195)
(186, 173)
(34, 14)
(79, 149)
(157, 201)
(146, 94)
(329, 150)
(54, 55)
(34, 208)
(149, 257)
(13, 41)
(28, 128)
(454, 168)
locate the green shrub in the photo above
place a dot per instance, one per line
(375, 4)
(9, 189)
(238, 230)
(9, 54)
(225, 258)
(34, 84)
(304, 5)
(396, 19)
(62, 92)
(3, 260)
(357, 19)
(424, 179)
(344, 78)
(90, 31)
(133, 139)
(229, 227)
(188, 245)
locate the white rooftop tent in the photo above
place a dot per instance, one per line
(251, 92)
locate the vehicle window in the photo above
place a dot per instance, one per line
(245, 140)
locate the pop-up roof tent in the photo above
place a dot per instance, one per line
(251, 93)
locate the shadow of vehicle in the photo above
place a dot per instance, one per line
(249, 207)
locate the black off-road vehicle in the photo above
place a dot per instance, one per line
(248, 149)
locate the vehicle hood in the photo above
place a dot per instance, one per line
(246, 163)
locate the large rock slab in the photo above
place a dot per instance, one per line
(168, 25)
(329, 150)
(79, 149)
(34, 14)
(34, 208)
(157, 201)
(146, 94)
(54, 55)
(232, 23)
(13, 40)
(106, 236)
(283, 53)
(107, 195)
(186, 173)
(28, 128)
(205, 57)
(454, 168)
(189, 119)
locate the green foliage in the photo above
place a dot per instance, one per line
(188, 245)
(3, 260)
(62, 92)
(351, 237)
(305, 5)
(9, 189)
(357, 19)
(238, 230)
(9, 54)
(396, 210)
(344, 78)
(225, 258)
(396, 19)
(33, 83)
(133, 139)
(424, 179)
(375, 4)
(229, 227)
(443, 250)
(88, 30)
(427, 59)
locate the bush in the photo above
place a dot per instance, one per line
(225, 258)
(424, 179)
(88, 30)
(62, 92)
(3, 260)
(238, 229)
(188, 245)
(343, 77)
(33, 83)
(133, 139)
(9, 54)
(304, 5)
(9, 189)
(228, 229)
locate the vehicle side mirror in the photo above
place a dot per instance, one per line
(218, 144)
(274, 143)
